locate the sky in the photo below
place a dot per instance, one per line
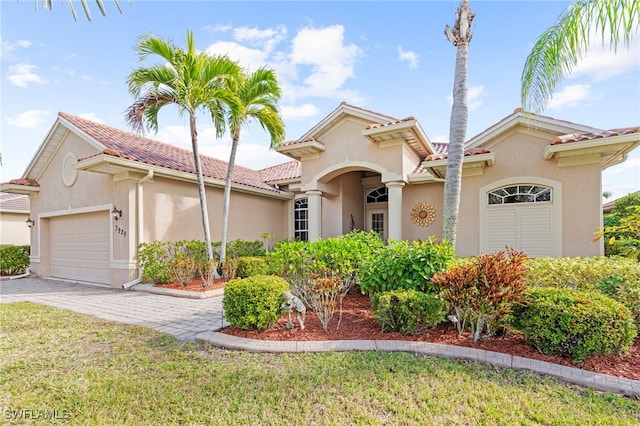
(387, 56)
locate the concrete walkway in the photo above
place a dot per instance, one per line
(200, 320)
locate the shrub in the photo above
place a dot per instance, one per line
(183, 268)
(14, 260)
(298, 261)
(253, 303)
(252, 265)
(574, 323)
(483, 290)
(616, 277)
(240, 248)
(154, 259)
(407, 311)
(324, 293)
(405, 266)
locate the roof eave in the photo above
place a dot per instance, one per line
(12, 188)
(111, 165)
(613, 149)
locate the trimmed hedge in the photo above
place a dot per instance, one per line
(574, 323)
(254, 303)
(407, 311)
(405, 266)
(615, 277)
(14, 260)
(249, 266)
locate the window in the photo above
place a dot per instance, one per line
(301, 219)
(377, 223)
(519, 194)
(378, 195)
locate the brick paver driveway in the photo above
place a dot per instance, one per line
(179, 317)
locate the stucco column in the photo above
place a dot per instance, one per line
(314, 199)
(395, 210)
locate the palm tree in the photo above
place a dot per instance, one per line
(48, 5)
(561, 46)
(460, 37)
(258, 95)
(191, 81)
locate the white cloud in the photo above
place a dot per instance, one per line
(601, 63)
(330, 60)
(218, 28)
(408, 56)
(8, 46)
(91, 116)
(30, 119)
(251, 59)
(24, 74)
(73, 73)
(298, 112)
(570, 96)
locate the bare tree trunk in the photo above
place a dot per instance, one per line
(227, 198)
(201, 188)
(460, 36)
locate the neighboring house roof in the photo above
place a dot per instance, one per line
(14, 203)
(608, 206)
(281, 172)
(579, 137)
(119, 143)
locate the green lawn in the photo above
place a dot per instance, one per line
(96, 372)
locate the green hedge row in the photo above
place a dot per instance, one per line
(14, 260)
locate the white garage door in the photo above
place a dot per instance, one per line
(79, 247)
(526, 228)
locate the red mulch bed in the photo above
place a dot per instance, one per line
(194, 285)
(358, 323)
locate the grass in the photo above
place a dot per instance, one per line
(92, 371)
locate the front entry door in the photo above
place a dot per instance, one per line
(377, 221)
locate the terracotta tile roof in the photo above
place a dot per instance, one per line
(293, 142)
(134, 147)
(15, 202)
(577, 137)
(468, 152)
(440, 147)
(378, 125)
(24, 182)
(281, 172)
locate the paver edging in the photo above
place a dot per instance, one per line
(585, 378)
(150, 288)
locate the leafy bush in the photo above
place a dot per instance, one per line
(14, 260)
(252, 265)
(621, 230)
(574, 323)
(483, 290)
(405, 266)
(183, 268)
(230, 268)
(298, 261)
(407, 311)
(253, 303)
(616, 277)
(240, 248)
(323, 294)
(154, 259)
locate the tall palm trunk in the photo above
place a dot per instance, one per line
(460, 36)
(201, 189)
(227, 197)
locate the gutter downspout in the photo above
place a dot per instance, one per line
(140, 225)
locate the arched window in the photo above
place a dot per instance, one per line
(378, 195)
(519, 194)
(301, 219)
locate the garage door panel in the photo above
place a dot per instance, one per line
(79, 247)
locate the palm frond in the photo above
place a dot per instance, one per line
(559, 49)
(48, 5)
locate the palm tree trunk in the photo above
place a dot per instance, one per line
(460, 36)
(227, 198)
(201, 189)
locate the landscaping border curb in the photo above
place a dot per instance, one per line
(589, 379)
(150, 288)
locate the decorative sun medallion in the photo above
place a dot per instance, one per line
(423, 214)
